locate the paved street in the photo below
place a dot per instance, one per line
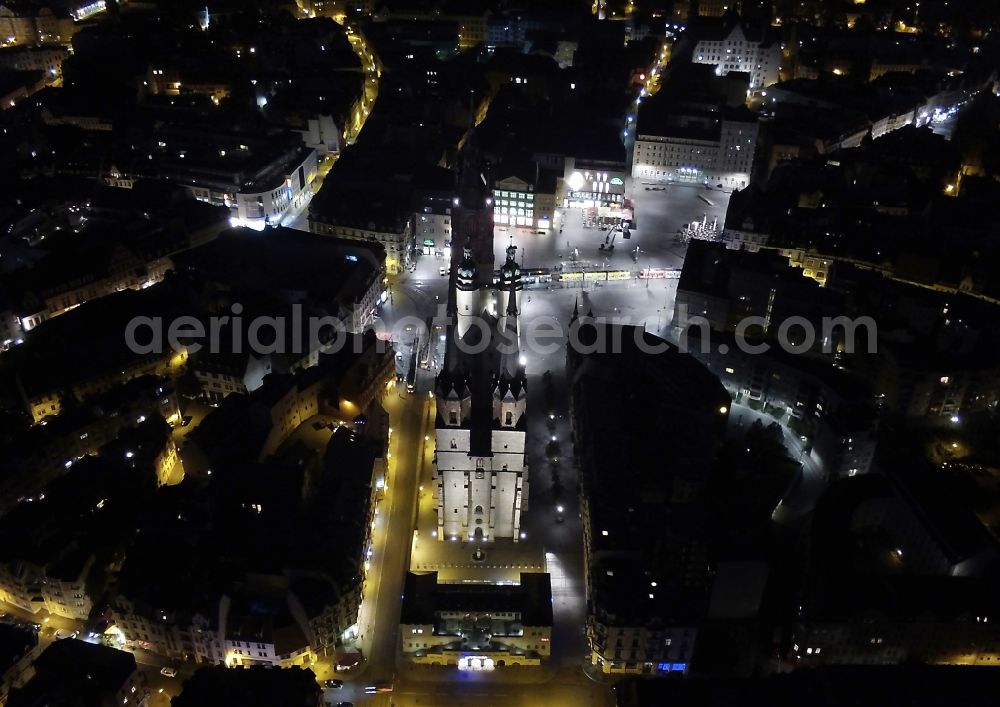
(298, 217)
(409, 416)
(499, 690)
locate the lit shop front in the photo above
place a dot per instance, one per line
(595, 189)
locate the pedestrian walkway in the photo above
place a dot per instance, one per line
(503, 560)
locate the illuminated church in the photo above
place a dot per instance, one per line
(481, 474)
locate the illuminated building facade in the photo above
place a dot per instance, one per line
(481, 472)
(738, 50)
(713, 148)
(595, 183)
(476, 627)
(525, 203)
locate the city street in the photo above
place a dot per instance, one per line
(499, 689)
(372, 70)
(409, 415)
(298, 218)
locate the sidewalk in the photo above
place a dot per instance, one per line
(503, 562)
(594, 674)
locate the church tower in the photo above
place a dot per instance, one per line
(480, 474)
(468, 303)
(510, 283)
(510, 390)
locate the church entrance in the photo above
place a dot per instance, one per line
(477, 534)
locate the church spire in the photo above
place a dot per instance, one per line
(468, 305)
(510, 283)
(511, 362)
(512, 301)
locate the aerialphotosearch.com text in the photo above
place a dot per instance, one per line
(543, 335)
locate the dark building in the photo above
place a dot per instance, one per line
(337, 277)
(898, 572)
(18, 650)
(252, 687)
(80, 674)
(726, 288)
(646, 562)
(917, 685)
(476, 626)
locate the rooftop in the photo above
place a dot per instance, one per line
(423, 598)
(77, 673)
(283, 260)
(53, 358)
(15, 643)
(637, 532)
(832, 686)
(250, 687)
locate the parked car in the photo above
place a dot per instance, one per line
(169, 672)
(334, 684)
